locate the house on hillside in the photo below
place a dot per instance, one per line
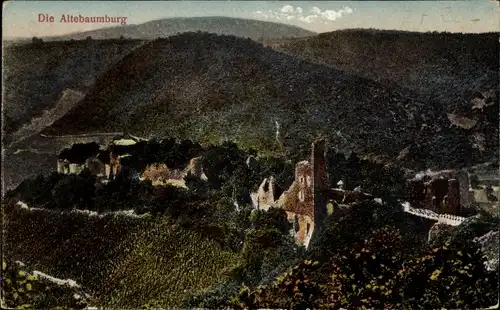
(307, 201)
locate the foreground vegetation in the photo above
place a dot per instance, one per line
(205, 246)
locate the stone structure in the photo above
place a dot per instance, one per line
(159, 174)
(263, 199)
(298, 202)
(73, 160)
(122, 148)
(441, 192)
(196, 169)
(306, 201)
(62, 166)
(95, 164)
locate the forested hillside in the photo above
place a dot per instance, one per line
(214, 88)
(35, 75)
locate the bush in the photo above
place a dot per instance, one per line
(23, 290)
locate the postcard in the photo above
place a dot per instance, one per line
(250, 155)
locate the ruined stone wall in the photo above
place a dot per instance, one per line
(451, 203)
(160, 174)
(440, 195)
(62, 166)
(303, 227)
(299, 198)
(320, 181)
(439, 189)
(263, 198)
(196, 169)
(75, 168)
(114, 163)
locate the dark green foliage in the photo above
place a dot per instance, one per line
(274, 218)
(267, 247)
(221, 163)
(80, 152)
(364, 276)
(452, 276)
(306, 99)
(175, 155)
(22, 290)
(347, 227)
(291, 290)
(378, 273)
(382, 180)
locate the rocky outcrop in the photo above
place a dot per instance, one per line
(461, 121)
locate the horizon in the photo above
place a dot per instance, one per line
(20, 17)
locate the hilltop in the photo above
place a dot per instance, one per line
(447, 67)
(245, 28)
(36, 75)
(213, 88)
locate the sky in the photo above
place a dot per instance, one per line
(20, 18)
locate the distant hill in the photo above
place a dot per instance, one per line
(213, 88)
(245, 28)
(68, 100)
(446, 67)
(35, 75)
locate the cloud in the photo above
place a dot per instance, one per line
(287, 9)
(288, 12)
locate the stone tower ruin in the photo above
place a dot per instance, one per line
(319, 182)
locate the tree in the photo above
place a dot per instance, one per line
(37, 41)
(294, 289)
(474, 181)
(452, 276)
(274, 218)
(364, 277)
